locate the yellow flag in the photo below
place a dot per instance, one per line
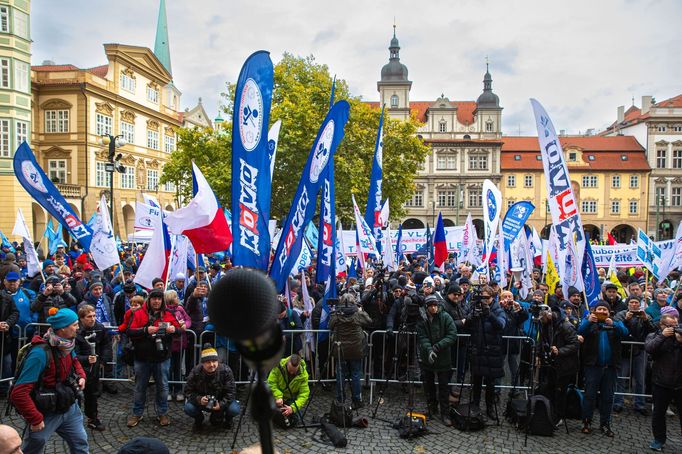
(552, 276)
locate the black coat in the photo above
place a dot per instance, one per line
(565, 339)
(667, 355)
(103, 348)
(42, 304)
(219, 384)
(513, 327)
(638, 330)
(10, 314)
(346, 328)
(485, 352)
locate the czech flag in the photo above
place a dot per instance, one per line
(440, 246)
(202, 220)
(612, 241)
(155, 261)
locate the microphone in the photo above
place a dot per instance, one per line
(243, 306)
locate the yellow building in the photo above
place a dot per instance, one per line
(609, 177)
(15, 104)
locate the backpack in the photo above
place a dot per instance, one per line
(467, 417)
(574, 402)
(22, 354)
(341, 414)
(411, 425)
(541, 416)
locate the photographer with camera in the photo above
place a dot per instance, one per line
(151, 331)
(93, 350)
(49, 382)
(436, 333)
(288, 382)
(601, 354)
(405, 313)
(665, 348)
(346, 324)
(486, 322)
(633, 360)
(210, 388)
(455, 307)
(53, 295)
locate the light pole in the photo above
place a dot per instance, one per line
(113, 165)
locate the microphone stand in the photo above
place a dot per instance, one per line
(262, 408)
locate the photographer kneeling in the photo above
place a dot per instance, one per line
(210, 388)
(288, 382)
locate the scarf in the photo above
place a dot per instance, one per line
(101, 314)
(65, 346)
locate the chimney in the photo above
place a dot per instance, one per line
(646, 104)
(621, 114)
(562, 132)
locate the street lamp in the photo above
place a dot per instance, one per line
(113, 142)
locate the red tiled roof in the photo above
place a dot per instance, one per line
(181, 116)
(465, 110)
(672, 102)
(100, 71)
(608, 153)
(46, 68)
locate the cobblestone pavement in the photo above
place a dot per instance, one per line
(633, 432)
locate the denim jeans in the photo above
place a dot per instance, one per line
(195, 410)
(638, 373)
(68, 425)
(602, 380)
(342, 368)
(160, 371)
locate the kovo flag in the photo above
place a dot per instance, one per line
(491, 215)
(251, 170)
(303, 205)
(36, 183)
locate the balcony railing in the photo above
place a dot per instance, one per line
(69, 190)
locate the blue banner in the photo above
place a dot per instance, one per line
(251, 182)
(374, 196)
(399, 246)
(326, 260)
(303, 206)
(590, 275)
(36, 183)
(514, 219)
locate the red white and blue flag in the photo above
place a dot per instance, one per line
(155, 261)
(440, 245)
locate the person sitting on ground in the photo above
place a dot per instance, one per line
(288, 382)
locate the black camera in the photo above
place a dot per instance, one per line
(158, 336)
(212, 401)
(678, 330)
(72, 382)
(479, 308)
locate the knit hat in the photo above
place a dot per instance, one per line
(62, 319)
(610, 285)
(464, 280)
(669, 310)
(454, 288)
(431, 299)
(95, 284)
(209, 353)
(47, 263)
(602, 303)
(572, 291)
(156, 293)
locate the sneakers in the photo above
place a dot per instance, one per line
(586, 427)
(669, 412)
(180, 397)
(96, 424)
(134, 420)
(170, 398)
(164, 420)
(656, 445)
(558, 424)
(606, 430)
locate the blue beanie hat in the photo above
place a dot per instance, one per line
(62, 319)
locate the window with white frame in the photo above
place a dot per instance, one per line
(56, 121)
(4, 72)
(446, 198)
(169, 143)
(442, 126)
(128, 178)
(103, 124)
(511, 181)
(589, 181)
(478, 162)
(102, 177)
(4, 138)
(446, 162)
(615, 206)
(169, 186)
(661, 158)
(128, 131)
(659, 193)
(634, 181)
(4, 19)
(615, 181)
(528, 181)
(22, 132)
(489, 126)
(394, 101)
(589, 206)
(634, 207)
(152, 139)
(21, 76)
(20, 23)
(152, 180)
(662, 128)
(152, 95)
(56, 170)
(128, 83)
(676, 198)
(677, 159)
(417, 199)
(475, 198)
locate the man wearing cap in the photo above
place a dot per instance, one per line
(660, 301)
(211, 382)
(123, 297)
(37, 282)
(151, 331)
(575, 298)
(196, 306)
(601, 354)
(50, 362)
(436, 333)
(455, 307)
(198, 276)
(9, 315)
(611, 296)
(53, 295)
(8, 264)
(633, 360)
(22, 298)
(104, 309)
(178, 285)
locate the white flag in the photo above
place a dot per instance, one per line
(339, 251)
(146, 216)
(501, 259)
(389, 252)
(367, 240)
(492, 205)
(273, 139)
(384, 214)
(178, 258)
(21, 229)
(151, 200)
(103, 246)
(308, 302)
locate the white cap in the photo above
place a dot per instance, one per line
(179, 276)
(428, 281)
(368, 282)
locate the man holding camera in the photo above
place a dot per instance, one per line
(288, 382)
(601, 353)
(49, 383)
(53, 295)
(210, 388)
(93, 350)
(633, 361)
(151, 331)
(665, 348)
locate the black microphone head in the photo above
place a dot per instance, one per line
(243, 304)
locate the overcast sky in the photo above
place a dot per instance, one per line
(581, 59)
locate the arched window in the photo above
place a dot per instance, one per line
(394, 101)
(489, 126)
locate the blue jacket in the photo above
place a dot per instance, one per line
(602, 346)
(22, 300)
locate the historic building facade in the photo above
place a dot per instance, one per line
(465, 139)
(658, 126)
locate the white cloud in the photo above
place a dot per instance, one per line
(581, 59)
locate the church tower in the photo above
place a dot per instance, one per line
(394, 87)
(171, 94)
(488, 111)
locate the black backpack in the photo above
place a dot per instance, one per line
(341, 414)
(574, 403)
(541, 419)
(467, 417)
(411, 425)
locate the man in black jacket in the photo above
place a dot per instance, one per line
(516, 316)
(210, 388)
(53, 295)
(92, 333)
(9, 316)
(665, 348)
(454, 305)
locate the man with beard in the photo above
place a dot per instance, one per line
(612, 297)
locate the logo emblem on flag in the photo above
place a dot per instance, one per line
(33, 176)
(321, 155)
(251, 115)
(492, 206)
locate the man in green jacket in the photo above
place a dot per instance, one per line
(289, 385)
(435, 334)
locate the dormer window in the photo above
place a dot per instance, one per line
(489, 126)
(572, 157)
(442, 126)
(128, 81)
(394, 101)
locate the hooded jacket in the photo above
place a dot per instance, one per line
(297, 391)
(144, 343)
(346, 326)
(437, 333)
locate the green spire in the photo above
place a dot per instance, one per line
(161, 45)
